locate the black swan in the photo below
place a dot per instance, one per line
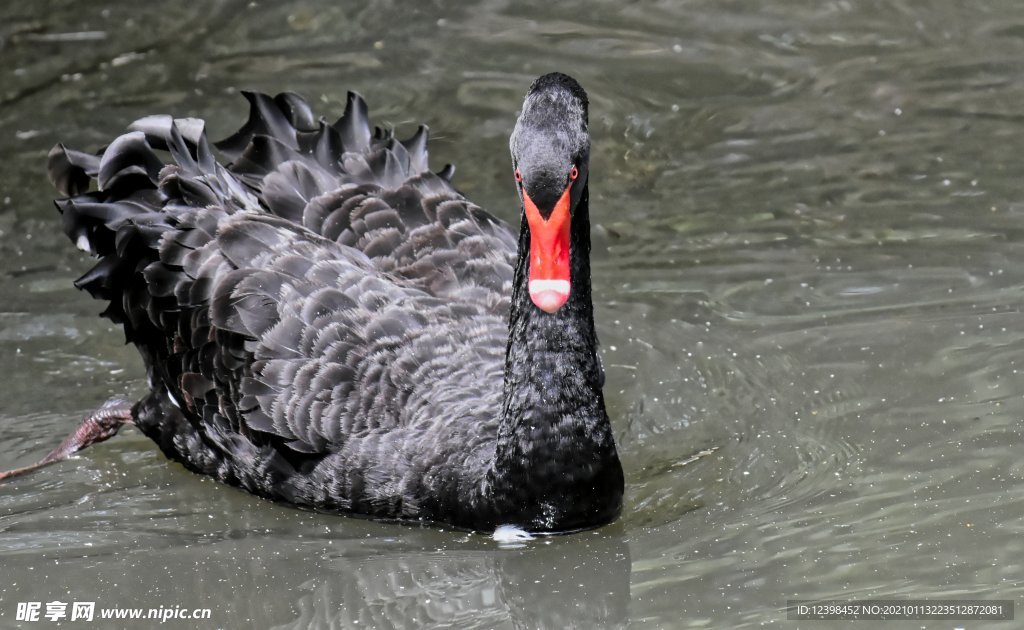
(326, 322)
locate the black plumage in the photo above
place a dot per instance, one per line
(326, 322)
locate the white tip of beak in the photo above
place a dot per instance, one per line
(549, 295)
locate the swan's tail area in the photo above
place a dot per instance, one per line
(147, 220)
(136, 200)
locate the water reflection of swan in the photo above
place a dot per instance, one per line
(540, 586)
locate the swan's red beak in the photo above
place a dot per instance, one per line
(549, 253)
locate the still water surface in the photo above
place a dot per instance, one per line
(808, 232)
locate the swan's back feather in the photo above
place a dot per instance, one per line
(323, 319)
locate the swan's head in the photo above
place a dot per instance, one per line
(551, 153)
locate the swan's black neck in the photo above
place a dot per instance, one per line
(555, 464)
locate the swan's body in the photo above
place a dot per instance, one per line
(326, 322)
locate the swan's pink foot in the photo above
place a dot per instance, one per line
(98, 426)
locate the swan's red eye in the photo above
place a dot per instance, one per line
(573, 174)
(519, 176)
